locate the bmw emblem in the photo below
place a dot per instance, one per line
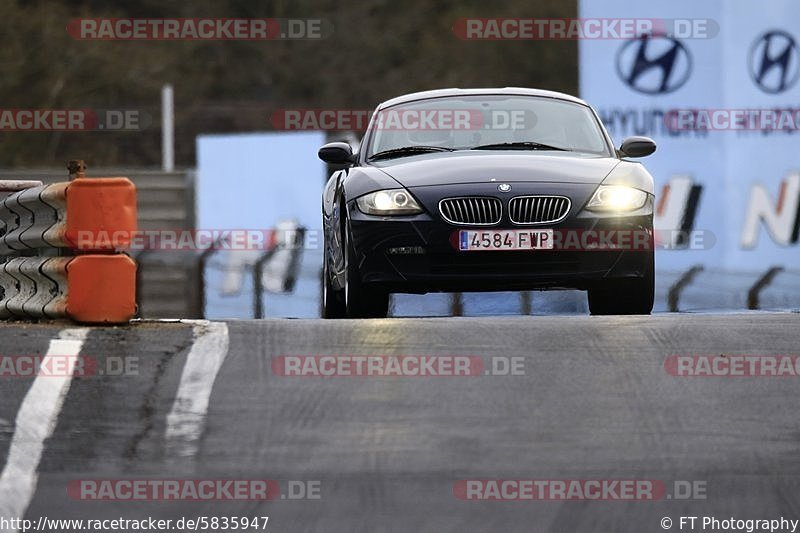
(504, 187)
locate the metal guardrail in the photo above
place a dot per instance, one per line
(746, 287)
(696, 287)
(59, 247)
(258, 269)
(7, 186)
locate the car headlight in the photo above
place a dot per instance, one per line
(388, 202)
(617, 198)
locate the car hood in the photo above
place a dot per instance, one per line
(503, 166)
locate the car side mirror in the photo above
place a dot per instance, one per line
(336, 153)
(637, 147)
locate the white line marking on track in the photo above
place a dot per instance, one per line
(35, 422)
(186, 420)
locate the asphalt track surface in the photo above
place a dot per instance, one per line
(593, 402)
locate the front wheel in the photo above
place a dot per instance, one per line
(632, 296)
(332, 299)
(361, 301)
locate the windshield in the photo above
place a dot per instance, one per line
(485, 122)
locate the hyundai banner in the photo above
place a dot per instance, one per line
(719, 93)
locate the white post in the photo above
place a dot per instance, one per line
(167, 129)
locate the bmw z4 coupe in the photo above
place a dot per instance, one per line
(487, 190)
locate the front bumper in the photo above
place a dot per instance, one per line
(420, 254)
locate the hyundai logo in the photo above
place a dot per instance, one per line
(773, 62)
(654, 64)
(504, 187)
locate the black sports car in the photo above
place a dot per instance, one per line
(487, 190)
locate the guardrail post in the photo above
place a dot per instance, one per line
(202, 260)
(292, 240)
(139, 282)
(760, 284)
(456, 304)
(258, 283)
(674, 294)
(525, 302)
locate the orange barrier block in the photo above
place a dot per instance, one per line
(87, 214)
(93, 289)
(101, 213)
(102, 289)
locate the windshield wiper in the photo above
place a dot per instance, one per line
(407, 150)
(519, 145)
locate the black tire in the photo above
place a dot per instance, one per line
(361, 301)
(332, 299)
(632, 296)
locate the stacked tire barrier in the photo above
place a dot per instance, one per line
(59, 250)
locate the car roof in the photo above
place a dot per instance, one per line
(440, 93)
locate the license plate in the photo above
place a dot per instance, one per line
(511, 239)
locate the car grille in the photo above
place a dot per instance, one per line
(537, 209)
(473, 210)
